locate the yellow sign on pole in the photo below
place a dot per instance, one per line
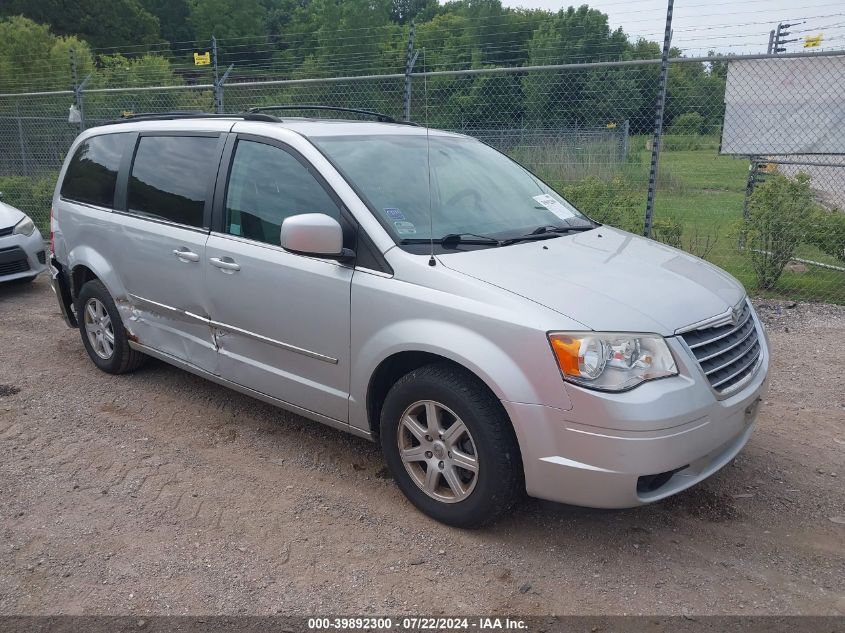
(811, 41)
(202, 59)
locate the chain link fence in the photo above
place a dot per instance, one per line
(725, 190)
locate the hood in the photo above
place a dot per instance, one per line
(9, 216)
(607, 279)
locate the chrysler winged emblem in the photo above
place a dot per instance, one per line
(735, 312)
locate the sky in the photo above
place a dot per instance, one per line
(722, 25)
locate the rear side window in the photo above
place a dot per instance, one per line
(170, 177)
(92, 172)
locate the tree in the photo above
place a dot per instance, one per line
(173, 18)
(239, 25)
(403, 11)
(33, 58)
(101, 23)
(692, 87)
(575, 35)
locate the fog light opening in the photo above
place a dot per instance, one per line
(650, 483)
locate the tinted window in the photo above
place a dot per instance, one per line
(92, 172)
(267, 185)
(170, 177)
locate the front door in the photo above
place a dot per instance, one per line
(281, 320)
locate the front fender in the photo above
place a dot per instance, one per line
(517, 367)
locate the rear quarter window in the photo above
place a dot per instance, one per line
(92, 172)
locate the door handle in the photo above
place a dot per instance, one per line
(186, 255)
(225, 263)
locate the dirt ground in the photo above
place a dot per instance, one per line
(163, 493)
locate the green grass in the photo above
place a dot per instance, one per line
(705, 192)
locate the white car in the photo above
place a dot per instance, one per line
(22, 254)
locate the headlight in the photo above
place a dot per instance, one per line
(611, 361)
(24, 227)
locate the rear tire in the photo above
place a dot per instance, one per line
(102, 331)
(465, 469)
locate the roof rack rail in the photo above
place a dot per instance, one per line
(381, 118)
(172, 116)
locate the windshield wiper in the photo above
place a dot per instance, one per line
(545, 232)
(554, 228)
(453, 239)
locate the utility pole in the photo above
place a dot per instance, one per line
(410, 60)
(658, 121)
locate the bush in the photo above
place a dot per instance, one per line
(826, 231)
(688, 142)
(688, 123)
(610, 202)
(669, 231)
(33, 196)
(778, 213)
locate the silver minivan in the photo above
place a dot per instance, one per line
(414, 287)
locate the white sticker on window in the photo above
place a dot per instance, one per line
(553, 205)
(405, 228)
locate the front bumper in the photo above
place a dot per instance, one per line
(22, 256)
(627, 449)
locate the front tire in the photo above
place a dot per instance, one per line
(450, 446)
(102, 331)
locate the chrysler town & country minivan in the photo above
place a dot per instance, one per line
(414, 287)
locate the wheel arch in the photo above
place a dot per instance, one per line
(392, 368)
(79, 276)
(86, 264)
(515, 365)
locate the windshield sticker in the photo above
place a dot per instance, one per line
(554, 206)
(405, 228)
(394, 214)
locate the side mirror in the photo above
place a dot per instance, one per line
(314, 234)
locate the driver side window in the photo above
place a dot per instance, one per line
(267, 185)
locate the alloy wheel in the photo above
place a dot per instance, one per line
(98, 327)
(438, 451)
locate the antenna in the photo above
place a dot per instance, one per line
(431, 260)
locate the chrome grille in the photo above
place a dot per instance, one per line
(727, 354)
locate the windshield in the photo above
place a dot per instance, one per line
(475, 190)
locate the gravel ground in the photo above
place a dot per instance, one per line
(159, 492)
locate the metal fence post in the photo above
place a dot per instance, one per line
(623, 144)
(753, 169)
(79, 89)
(218, 81)
(410, 60)
(77, 93)
(658, 121)
(24, 162)
(218, 89)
